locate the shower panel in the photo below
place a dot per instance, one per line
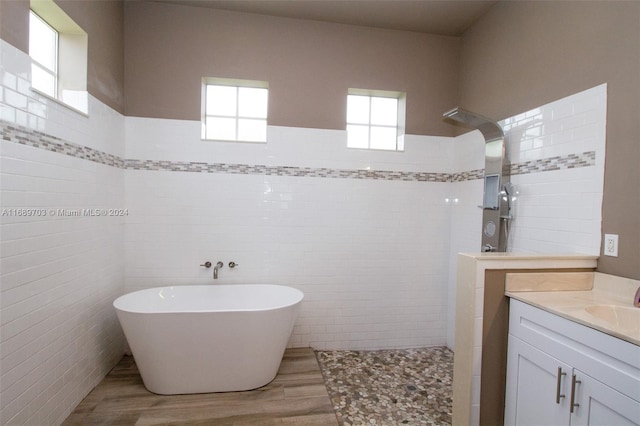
(498, 191)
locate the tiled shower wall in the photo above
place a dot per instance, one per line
(368, 236)
(60, 269)
(466, 217)
(559, 208)
(557, 156)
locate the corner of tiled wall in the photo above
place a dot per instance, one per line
(61, 267)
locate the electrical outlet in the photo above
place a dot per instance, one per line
(611, 245)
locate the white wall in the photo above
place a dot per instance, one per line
(557, 165)
(59, 334)
(559, 208)
(466, 217)
(370, 254)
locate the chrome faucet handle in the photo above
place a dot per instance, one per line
(232, 264)
(206, 264)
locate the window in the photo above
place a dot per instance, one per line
(58, 51)
(235, 110)
(43, 49)
(375, 120)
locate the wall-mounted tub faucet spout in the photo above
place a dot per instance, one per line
(215, 270)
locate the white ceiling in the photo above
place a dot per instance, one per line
(445, 17)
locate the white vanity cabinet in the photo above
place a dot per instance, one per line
(560, 372)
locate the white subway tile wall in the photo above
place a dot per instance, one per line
(60, 272)
(369, 236)
(557, 155)
(560, 211)
(370, 255)
(179, 141)
(465, 216)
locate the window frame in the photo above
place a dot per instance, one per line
(56, 56)
(400, 118)
(238, 84)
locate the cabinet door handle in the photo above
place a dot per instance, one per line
(558, 383)
(573, 394)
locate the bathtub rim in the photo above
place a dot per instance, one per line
(298, 299)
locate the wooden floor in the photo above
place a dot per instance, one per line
(297, 396)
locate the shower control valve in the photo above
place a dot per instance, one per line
(232, 264)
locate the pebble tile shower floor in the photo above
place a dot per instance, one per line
(389, 387)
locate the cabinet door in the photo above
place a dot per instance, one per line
(533, 387)
(602, 405)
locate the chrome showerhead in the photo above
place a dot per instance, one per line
(489, 128)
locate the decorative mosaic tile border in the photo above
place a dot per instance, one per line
(570, 161)
(36, 139)
(247, 169)
(468, 175)
(22, 135)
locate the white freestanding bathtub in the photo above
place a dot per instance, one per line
(208, 338)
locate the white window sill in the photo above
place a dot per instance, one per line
(375, 149)
(60, 102)
(232, 141)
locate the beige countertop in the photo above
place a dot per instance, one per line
(607, 306)
(527, 256)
